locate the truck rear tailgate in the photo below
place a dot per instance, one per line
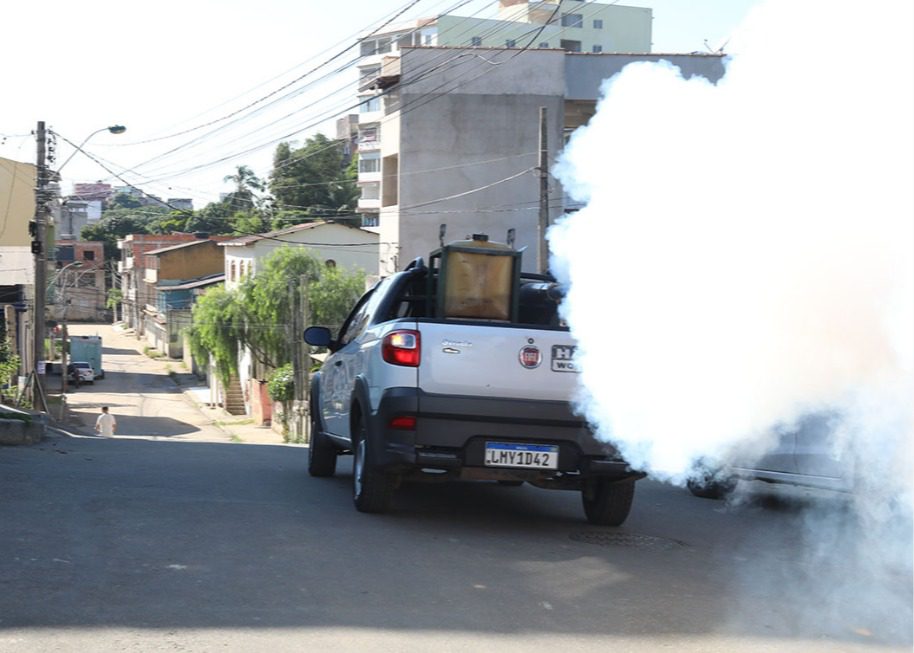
(496, 362)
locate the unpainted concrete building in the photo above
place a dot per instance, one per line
(459, 139)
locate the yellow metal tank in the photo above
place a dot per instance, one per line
(478, 279)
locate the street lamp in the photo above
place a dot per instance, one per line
(114, 129)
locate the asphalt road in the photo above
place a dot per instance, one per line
(138, 391)
(177, 539)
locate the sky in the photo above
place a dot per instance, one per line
(179, 64)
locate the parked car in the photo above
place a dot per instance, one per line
(84, 371)
(805, 456)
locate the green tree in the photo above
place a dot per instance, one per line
(244, 198)
(313, 178)
(113, 226)
(258, 314)
(125, 201)
(267, 302)
(215, 329)
(333, 295)
(9, 361)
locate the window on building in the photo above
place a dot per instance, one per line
(408, 40)
(368, 134)
(370, 220)
(241, 270)
(232, 272)
(571, 46)
(510, 43)
(544, 44)
(598, 48)
(368, 74)
(476, 41)
(371, 191)
(369, 164)
(88, 255)
(572, 20)
(369, 104)
(598, 23)
(427, 39)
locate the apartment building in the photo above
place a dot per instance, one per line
(459, 142)
(449, 129)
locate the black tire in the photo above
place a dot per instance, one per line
(372, 489)
(321, 452)
(708, 488)
(607, 503)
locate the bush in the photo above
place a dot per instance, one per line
(281, 386)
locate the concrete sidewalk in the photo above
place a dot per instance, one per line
(239, 427)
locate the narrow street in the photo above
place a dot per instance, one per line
(138, 391)
(173, 537)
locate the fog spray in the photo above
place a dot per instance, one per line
(745, 259)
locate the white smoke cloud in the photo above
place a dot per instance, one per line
(746, 257)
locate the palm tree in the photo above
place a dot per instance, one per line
(243, 198)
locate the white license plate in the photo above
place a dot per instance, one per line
(528, 456)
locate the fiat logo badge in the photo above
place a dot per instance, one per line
(530, 357)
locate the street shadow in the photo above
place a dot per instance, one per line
(119, 352)
(165, 535)
(135, 425)
(120, 380)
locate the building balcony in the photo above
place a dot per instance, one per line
(369, 205)
(369, 146)
(369, 177)
(370, 116)
(128, 263)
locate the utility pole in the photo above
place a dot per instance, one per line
(39, 244)
(300, 356)
(543, 254)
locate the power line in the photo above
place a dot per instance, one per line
(409, 5)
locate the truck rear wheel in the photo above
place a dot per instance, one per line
(607, 503)
(372, 489)
(321, 452)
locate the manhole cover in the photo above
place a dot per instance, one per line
(630, 540)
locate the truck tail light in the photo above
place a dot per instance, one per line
(403, 422)
(401, 348)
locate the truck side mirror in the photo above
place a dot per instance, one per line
(318, 336)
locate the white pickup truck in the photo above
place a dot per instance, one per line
(416, 393)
